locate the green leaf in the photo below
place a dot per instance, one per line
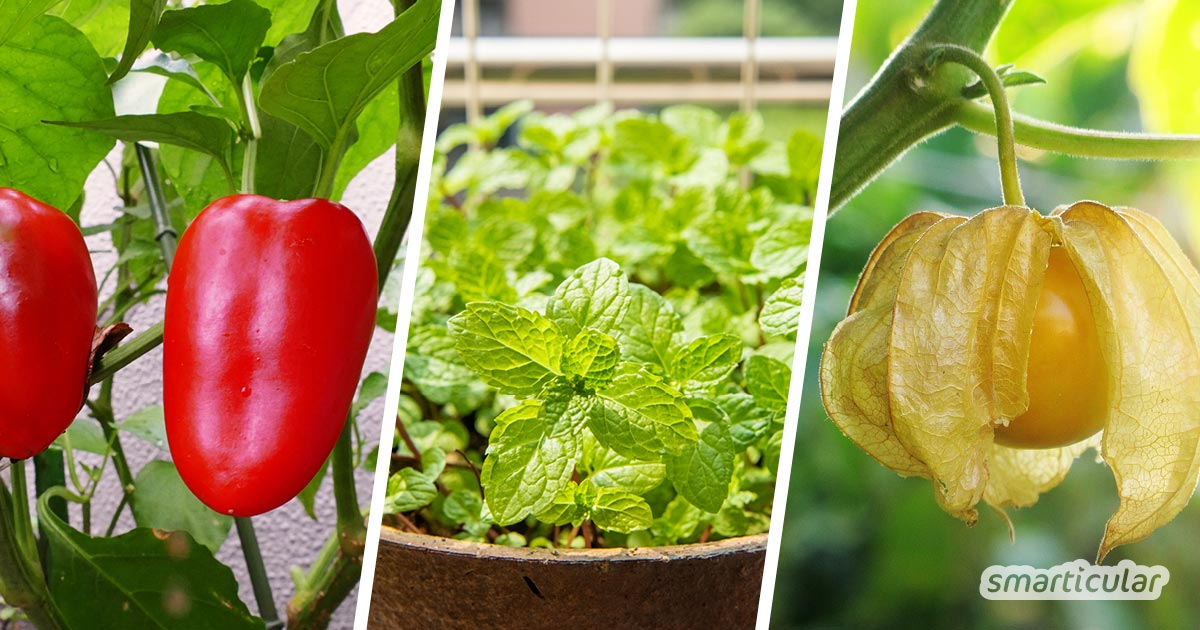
(620, 511)
(641, 416)
(768, 381)
(84, 435)
(781, 251)
(373, 387)
(780, 315)
(651, 328)
(377, 130)
(678, 523)
(462, 506)
(163, 502)
(409, 489)
(610, 469)
(289, 160)
(703, 470)
(308, 496)
(593, 355)
(1010, 78)
(324, 91)
(525, 467)
(572, 504)
(147, 424)
(595, 296)
(15, 15)
(804, 159)
(512, 349)
(748, 421)
(190, 130)
(142, 579)
(438, 371)
(103, 22)
(707, 360)
(198, 178)
(177, 70)
(699, 124)
(143, 19)
(227, 35)
(49, 71)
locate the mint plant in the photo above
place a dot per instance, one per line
(605, 317)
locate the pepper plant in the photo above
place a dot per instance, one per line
(605, 315)
(261, 97)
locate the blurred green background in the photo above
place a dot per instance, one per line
(864, 548)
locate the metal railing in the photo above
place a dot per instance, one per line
(574, 71)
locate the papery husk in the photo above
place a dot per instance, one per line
(960, 345)
(1145, 296)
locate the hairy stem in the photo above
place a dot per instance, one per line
(1010, 179)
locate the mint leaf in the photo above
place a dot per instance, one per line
(748, 421)
(680, 522)
(620, 511)
(512, 349)
(593, 355)
(703, 470)
(782, 250)
(708, 360)
(610, 469)
(780, 314)
(571, 505)
(650, 328)
(409, 489)
(525, 467)
(641, 416)
(768, 381)
(596, 296)
(437, 369)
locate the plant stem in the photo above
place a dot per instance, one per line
(329, 168)
(258, 573)
(164, 232)
(22, 582)
(408, 157)
(333, 575)
(127, 353)
(253, 133)
(1047, 136)
(1010, 179)
(352, 531)
(901, 105)
(102, 410)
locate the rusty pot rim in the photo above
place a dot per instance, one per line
(696, 551)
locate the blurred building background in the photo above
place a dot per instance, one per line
(776, 56)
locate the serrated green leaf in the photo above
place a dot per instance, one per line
(620, 511)
(641, 416)
(525, 467)
(162, 501)
(780, 314)
(701, 472)
(408, 489)
(49, 71)
(462, 506)
(679, 522)
(768, 381)
(438, 371)
(610, 469)
(227, 35)
(707, 360)
(748, 421)
(595, 296)
(651, 327)
(323, 91)
(512, 349)
(782, 250)
(593, 355)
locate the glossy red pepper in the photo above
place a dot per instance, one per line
(47, 319)
(270, 310)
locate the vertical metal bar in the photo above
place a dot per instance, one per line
(751, 25)
(470, 25)
(604, 69)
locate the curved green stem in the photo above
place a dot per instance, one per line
(253, 133)
(1010, 179)
(1048, 136)
(127, 353)
(22, 582)
(329, 167)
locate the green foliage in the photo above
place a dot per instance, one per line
(587, 326)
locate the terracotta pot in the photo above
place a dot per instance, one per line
(431, 582)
